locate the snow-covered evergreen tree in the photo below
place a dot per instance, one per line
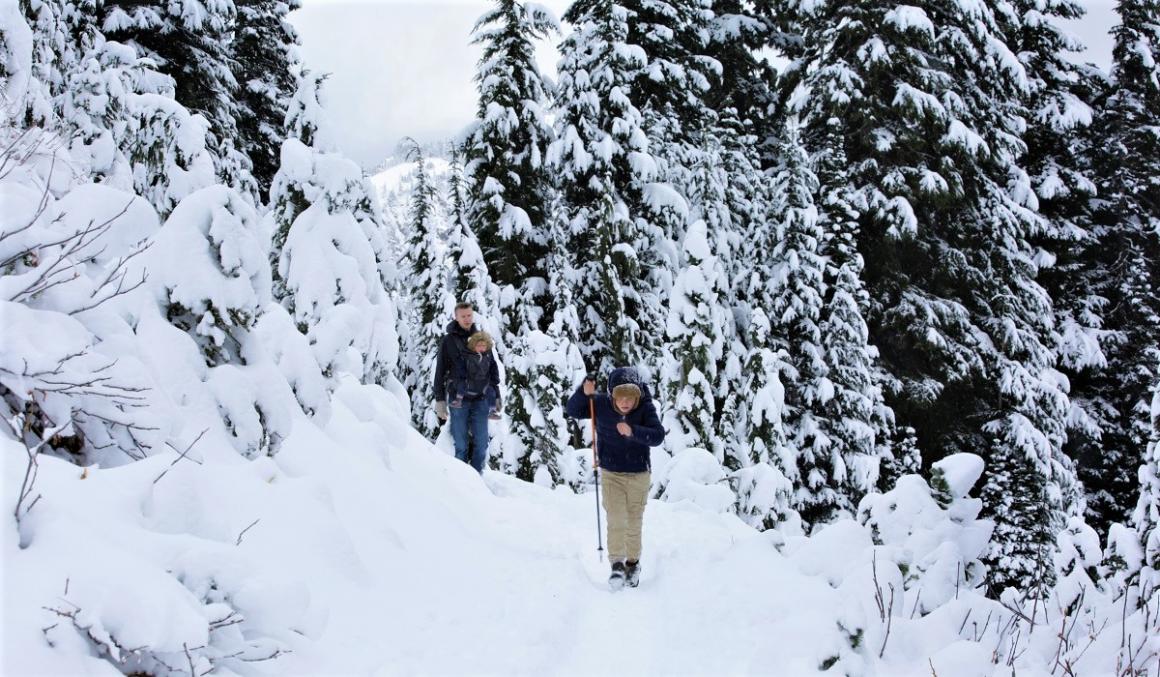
(1146, 517)
(858, 422)
(694, 346)
(114, 109)
(765, 491)
(798, 279)
(744, 91)
(1124, 261)
(97, 106)
(81, 86)
(429, 303)
(673, 34)
(669, 92)
(705, 156)
(741, 193)
(1058, 161)
(263, 58)
(928, 99)
(217, 295)
(190, 42)
(169, 149)
(509, 191)
(543, 370)
(326, 249)
(471, 278)
(601, 158)
(549, 366)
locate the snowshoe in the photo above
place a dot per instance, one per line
(632, 573)
(616, 579)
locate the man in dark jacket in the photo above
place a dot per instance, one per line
(626, 426)
(469, 421)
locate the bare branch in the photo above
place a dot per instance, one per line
(189, 657)
(51, 274)
(181, 456)
(889, 623)
(247, 529)
(277, 653)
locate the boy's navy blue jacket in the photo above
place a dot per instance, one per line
(616, 452)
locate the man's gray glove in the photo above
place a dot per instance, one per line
(441, 410)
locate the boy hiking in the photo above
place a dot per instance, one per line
(626, 426)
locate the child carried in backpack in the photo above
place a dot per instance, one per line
(470, 378)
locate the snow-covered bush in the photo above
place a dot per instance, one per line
(695, 475)
(64, 375)
(932, 533)
(210, 273)
(763, 496)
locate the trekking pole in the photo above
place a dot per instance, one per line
(596, 474)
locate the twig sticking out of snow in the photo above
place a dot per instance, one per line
(885, 613)
(247, 529)
(182, 455)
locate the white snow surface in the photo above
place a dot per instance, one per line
(371, 552)
(361, 549)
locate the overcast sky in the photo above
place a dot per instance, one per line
(404, 67)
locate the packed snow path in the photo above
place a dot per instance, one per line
(497, 576)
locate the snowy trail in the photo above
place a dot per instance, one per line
(376, 554)
(389, 558)
(369, 552)
(510, 584)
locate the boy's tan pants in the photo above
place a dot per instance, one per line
(624, 498)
